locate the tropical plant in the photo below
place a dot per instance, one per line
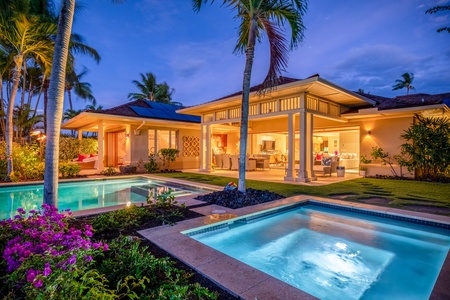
(151, 166)
(24, 38)
(258, 17)
(168, 155)
(405, 83)
(151, 90)
(81, 89)
(437, 9)
(69, 169)
(427, 147)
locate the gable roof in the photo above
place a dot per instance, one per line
(148, 109)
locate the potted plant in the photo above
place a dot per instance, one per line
(362, 171)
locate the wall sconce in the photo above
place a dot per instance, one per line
(369, 132)
(127, 135)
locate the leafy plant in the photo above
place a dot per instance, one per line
(119, 220)
(427, 147)
(168, 155)
(151, 166)
(69, 169)
(26, 161)
(365, 160)
(163, 205)
(379, 153)
(109, 171)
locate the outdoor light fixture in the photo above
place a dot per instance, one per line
(127, 135)
(369, 132)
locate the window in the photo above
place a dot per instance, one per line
(160, 139)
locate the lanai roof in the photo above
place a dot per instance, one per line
(132, 112)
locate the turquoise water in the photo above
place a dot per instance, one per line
(90, 194)
(336, 254)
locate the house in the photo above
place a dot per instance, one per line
(334, 122)
(132, 131)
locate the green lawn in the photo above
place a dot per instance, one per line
(406, 194)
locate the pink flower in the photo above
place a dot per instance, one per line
(38, 283)
(31, 275)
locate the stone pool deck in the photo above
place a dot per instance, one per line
(247, 282)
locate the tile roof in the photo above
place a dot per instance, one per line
(413, 100)
(152, 110)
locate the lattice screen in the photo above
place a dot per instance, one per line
(191, 146)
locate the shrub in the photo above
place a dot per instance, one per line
(41, 247)
(427, 147)
(109, 171)
(119, 220)
(69, 169)
(168, 155)
(162, 279)
(151, 166)
(27, 164)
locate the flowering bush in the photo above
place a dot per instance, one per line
(40, 243)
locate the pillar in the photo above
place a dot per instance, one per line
(291, 148)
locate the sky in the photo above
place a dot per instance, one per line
(355, 44)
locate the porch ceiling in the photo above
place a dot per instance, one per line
(315, 85)
(88, 121)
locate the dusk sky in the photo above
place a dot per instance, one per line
(353, 43)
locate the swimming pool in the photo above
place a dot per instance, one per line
(333, 253)
(88, 194)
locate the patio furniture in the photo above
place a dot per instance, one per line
(219, 162)
(234, 162)
(261, 163)
(226, 161)
(88, 161)
(250, 164)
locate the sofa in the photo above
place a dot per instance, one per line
(87, 161)
(349, 160)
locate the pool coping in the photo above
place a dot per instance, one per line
(247, 282)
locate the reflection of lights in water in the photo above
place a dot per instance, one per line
(341, 246)
(128, 203)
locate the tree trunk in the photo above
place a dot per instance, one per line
(69, 97)
(39, 97)
(56, 102)
(2, 108)
(24, 85)
(18, 60)
(249, 55)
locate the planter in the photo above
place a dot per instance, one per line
(340, 171)
(362, 173)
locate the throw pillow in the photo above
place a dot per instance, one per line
(81, 157)
(326, 161)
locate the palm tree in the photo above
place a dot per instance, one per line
(56, 97)
(258, 17)
(81, 89)
(405, 83)
(151, 90)
(26, 38)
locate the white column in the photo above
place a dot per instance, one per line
(291, 148)
(310, 146)
(208, 151)
(127, 158)
(303, 175)
(101, 147)
(202, 148)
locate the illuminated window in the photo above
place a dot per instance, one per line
(160, 139)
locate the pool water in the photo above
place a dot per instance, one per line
(81, 195)
(335, 254)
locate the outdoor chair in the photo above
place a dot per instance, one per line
(234, 162)
(219, 162)
(226, 161)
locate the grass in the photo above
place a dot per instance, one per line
(401, 193)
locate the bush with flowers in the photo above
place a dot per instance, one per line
(50, 255)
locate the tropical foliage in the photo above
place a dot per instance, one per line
(150, 90)
(408, 78)
(437, 9)
(427, 147)
(258, 18)
(28, 31)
